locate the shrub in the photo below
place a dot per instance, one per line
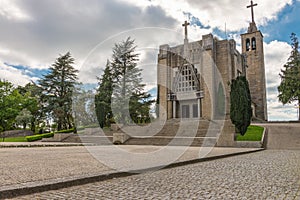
(47, 135)
(80, 128)
(92, 126)
(39, 137)
(66, 131)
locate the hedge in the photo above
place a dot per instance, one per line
(66, 131)
(39, 137)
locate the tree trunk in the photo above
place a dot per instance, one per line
(32, 126)
(123, 116)
(58, 125)
(70, 121)
(299, 109)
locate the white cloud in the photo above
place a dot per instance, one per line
(10, 10)
(74, 26)
(218, 12)
(276, 55)
(34, 33)
(147, 41)
(13, 75)
(77, 26)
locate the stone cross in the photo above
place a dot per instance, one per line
(185, 28)
(252, 12)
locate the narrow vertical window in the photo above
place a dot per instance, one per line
(247, 44)
(195, 110)
(253, 43)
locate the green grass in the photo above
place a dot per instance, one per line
(14, 139)
(254, 133)
(27, 138)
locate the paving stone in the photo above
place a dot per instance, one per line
(271, 174)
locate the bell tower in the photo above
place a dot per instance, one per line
(253, 49)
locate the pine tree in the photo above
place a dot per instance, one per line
(289, 88)
(103, 97)
(139, 107)
(128, 99)
(57, 90)
(84, 107)
(240, 104)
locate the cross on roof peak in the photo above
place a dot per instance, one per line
(252, 11)
(185, 28)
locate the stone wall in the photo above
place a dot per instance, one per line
(256, 73)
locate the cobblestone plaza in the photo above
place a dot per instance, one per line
(270, 174)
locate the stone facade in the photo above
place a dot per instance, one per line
(193, 78)
(252, 47)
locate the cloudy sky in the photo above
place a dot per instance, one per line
(34, 33)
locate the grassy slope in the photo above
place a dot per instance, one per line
(14, 139)
(254, 133)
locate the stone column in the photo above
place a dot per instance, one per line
(174, 109)
(199, 108)
(226, 138)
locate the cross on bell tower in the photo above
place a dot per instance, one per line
(253, 49)
(252, 10)
(252, 28)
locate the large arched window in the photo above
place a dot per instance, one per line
(186, 79)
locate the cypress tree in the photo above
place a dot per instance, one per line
(240, 104)
(103, 97)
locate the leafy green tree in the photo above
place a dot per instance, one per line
(57, 90)
(103, 97)
(240, 104)
(32, 93)
(6, 89)
(128, 91)
(24, 117)
(289, 88)
(10, 105)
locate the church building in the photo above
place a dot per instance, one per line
(194, 77)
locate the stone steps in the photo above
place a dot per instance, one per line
(176, 132)
(177, 141)
(172, 132)
(94, 136)
(97, 140)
